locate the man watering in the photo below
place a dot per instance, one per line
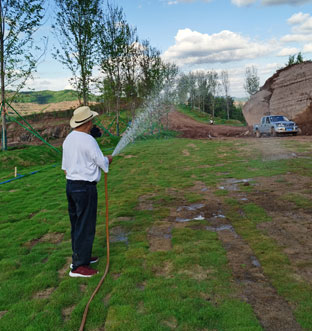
(82, 163)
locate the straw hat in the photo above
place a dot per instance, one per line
(82, 115)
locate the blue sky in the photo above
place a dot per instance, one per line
(211, 35)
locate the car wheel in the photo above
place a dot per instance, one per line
(258, 134)
(273, 133)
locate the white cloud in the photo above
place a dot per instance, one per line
(301, 31)
(307, 48)
(241, 3)
(55, 84)
(296, 38)
(192, 47)
(298, 18)
(288, 51)
(301, 23)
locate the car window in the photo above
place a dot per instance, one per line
(268, 120)
(278, 119)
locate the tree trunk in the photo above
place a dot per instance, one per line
(84, 87)
(2, 73)
(117, 117)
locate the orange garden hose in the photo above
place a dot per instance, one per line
(84, 318)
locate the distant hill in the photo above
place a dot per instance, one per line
(241, 99)
(47, 96)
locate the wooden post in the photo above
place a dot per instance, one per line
(15, 172)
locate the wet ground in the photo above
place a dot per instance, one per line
(290, 226)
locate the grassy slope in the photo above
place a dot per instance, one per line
(47, 96)
(205, 117)
(135, 296)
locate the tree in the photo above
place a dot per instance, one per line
(299, 58)
(213, 84)
(19, 20)
(202, 89)
(76, 28)
(292, 59)
(183, 88)
(226, 87)
(151, 69)
(116, 40)
(252, 81)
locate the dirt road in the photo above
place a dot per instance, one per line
(189, 128)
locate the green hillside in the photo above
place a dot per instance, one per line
(47, 96)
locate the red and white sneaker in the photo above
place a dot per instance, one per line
(83, 271)
(93, 259)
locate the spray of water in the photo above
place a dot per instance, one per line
(153, 110)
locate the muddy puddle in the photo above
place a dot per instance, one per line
(184, 220)
(118, 234)
(233, 184)
(194, 206)
(188, 213)
(279, 156)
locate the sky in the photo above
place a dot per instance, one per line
(209, 35)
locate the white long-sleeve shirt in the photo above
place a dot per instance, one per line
(82, 157)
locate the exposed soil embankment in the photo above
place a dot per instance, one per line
(51, 129)
(55, 129)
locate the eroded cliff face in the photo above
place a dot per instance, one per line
(288, 92)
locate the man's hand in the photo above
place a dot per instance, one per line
(110, 159)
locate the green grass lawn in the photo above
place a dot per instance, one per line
(187, 287)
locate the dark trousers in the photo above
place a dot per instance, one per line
(82, 209)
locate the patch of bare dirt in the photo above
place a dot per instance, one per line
(141, 308)
(145, 202)
(2, 313)
(51, 237)
(164, 270)
(124, 219)
(62, 272)
(44, 294)
(83, 288)
(197, 272)
(66, 312)
(159, 237)
(273, 312)
(129, 156)
(291, 225)
(107, 299)
(190, 128)
(186, 152)
(170, 322)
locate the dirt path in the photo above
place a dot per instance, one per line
(190, 128)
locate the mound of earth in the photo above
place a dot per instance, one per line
(190, 128)
(288, 92)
